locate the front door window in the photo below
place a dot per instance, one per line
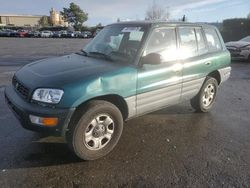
(163, 42)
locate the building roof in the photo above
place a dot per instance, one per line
(21, 15)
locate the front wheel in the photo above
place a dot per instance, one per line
(97, 132)
(205, 99)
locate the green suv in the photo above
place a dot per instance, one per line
(127, 70)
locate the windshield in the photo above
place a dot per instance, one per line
(117, 43)
(246, 39)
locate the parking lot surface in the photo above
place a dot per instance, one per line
(174, 147)
(18, 51)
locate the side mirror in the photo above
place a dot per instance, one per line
(151, 59)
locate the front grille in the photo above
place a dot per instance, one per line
(20, 88)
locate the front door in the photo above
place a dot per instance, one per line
(160, 85)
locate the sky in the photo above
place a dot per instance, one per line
(107, 11)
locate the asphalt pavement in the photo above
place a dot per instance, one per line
(174, 147)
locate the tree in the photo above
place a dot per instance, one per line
(75, 16)
(156, 12)
(99, 25)
(248, 16)
(44, 21)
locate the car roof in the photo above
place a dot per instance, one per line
(161, 23)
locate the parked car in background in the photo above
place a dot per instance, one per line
(64, 34)
(70, 34)
(240, 50)
(46, 34)
(33, 34)
(129, 69)
(77, 34)
(13, 33)
(22, 33)
(86, 34)
(57, 34)
(6, 32)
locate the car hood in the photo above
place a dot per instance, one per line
(60, 71)
(237, 44)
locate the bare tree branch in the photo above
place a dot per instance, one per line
(157, 12)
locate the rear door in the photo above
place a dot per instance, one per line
(159, 85)
(196, 61)
(218, 54)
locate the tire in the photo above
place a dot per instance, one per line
(97, 132)
(205, 99)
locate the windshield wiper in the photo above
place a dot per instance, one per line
(82, 52)
(100, 54)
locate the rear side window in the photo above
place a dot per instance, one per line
(200, 41)
(213, 40)
(188, 44)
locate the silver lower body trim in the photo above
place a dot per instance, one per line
(159, 98)
(191, 88)
(153, 100)
(225, 73)
(164, 97)
(131, 103)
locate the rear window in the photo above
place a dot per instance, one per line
(213, 40)
(200, 41)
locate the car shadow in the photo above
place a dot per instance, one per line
(31, 150)
(40, 154)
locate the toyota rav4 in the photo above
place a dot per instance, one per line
(127, 70)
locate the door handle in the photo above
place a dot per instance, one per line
(208, 62)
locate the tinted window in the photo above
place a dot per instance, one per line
(213, 40)
(200, 41)
(163, 42)
(188, 45)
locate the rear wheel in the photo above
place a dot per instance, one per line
(204, 101)
(97, 131)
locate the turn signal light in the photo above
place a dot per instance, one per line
(45, 121)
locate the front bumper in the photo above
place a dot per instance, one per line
(22, 109)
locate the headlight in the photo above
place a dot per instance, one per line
(48, 95)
